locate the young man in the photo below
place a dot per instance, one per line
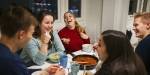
(17, 26)
(142, 30)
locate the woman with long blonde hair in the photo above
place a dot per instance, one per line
(73, 35)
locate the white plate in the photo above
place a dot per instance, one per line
(40, 73)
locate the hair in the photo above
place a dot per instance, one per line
(145, 17)
(16, 18)
(77, 25)
(40, 18)
(121, 57)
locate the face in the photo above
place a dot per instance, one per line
(69, 19)
(139, 28)
(47, 24)
(101, 49)
(25, 36)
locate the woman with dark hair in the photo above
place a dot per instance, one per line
(73, 35)
(45, 41)
(118, 56)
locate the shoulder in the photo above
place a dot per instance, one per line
(34, 41)
(146, 40)
(54, 32)
(104, 70)
(144, 44)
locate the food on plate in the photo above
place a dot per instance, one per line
(54, 57)
(86, 60)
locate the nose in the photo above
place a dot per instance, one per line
(50, 25)
(134, 28)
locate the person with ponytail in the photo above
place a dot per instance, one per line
(73, 35)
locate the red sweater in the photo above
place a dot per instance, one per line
(76, 41)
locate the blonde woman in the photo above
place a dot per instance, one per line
(73, 35)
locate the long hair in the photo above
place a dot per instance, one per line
(77, 25)
(121, 57)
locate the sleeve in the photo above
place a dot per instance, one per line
(32, 49)
(57, 42)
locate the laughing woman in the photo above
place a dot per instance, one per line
(73, 35)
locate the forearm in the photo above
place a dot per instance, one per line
(39, 58)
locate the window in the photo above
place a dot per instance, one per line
(137, 6)
(75, 7)
(132, 6)
(51, 5)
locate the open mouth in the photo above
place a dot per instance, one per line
(69, 21)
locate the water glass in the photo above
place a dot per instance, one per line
(63, 60)
(74, 68)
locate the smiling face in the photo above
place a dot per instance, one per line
(47, 24)
(140, 28)
(101, 49)
(69, 20)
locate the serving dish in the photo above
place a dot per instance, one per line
(87, 62)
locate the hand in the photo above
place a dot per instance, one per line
(45, 38)
(65, 40)
(52, 69)
(83, 35)
(95, 46)
(60, 71)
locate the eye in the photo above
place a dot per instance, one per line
(52, 22)
(135, 24)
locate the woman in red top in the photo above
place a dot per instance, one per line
(73, 35)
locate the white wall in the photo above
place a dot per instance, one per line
(93, 18)
(114, 14)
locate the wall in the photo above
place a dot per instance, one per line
(93, 18)
(114, 14)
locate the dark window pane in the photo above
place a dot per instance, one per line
(132, 6)
(75, 7)
(51, 5)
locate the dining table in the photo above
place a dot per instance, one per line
(69, 61)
